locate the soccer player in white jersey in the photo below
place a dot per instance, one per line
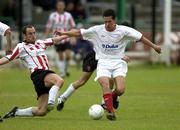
(61, 20)
(109, 45)
(88, 66)
(46, 82)
(6, 31)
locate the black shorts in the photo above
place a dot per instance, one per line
(38, 80)
(62, 47)
(89, 62)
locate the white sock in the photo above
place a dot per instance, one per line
(52, 94)
(24, 112)
(102, 101)
(69, 91)
(61, 66)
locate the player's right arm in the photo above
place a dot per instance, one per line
(71, 33)
(86, 34)
(4, 60)
(15, 54)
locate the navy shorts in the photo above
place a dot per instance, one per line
(62, 47)
(89, 62)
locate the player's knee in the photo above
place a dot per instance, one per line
(59, 81)
(42, 113)
(120, 91)
(105, 84)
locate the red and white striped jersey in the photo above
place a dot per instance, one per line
(3, 28)
(32, 54)
(60, 22)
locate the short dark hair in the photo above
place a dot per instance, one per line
(108, 13)
(25, 27)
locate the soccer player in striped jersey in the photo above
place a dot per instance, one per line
(46, 82)
(61, 20)
(6, 31)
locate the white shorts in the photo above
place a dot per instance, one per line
(3, 28)
(111, 68)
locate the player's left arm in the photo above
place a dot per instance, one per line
(147, 42)
(10, 57)
(57, 39)
(4, 60)
(126, 59)
(14, 55)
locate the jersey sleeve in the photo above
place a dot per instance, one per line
(46, 43)
(50, 22)
(15, 54)
(132, 33)
(87, 33)
(3, 28)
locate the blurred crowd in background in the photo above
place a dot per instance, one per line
(88, 12)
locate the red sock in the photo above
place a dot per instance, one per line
(114, 95)
(108, 101)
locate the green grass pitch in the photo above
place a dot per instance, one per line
(151, 102)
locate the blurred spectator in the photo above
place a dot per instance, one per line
(71, 9)
(61, 20)
(80, 12)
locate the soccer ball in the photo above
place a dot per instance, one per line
(96, 111)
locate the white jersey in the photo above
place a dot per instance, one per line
(32, 54)
(110, 45)
(60, 22)
(3, 28)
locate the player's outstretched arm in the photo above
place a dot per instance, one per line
(3, 61)
(57, 39)
(71, 33)
(157, 48)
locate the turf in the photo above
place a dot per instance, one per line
(151, 102)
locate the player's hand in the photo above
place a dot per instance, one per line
(157, 48)
(126, 59)
(58, 33)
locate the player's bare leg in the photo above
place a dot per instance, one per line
(40, 110)
(71, 89)
(107, 95)
(111, 83)
(118, 91)
(55, 82)
(61, 64)
(45, 101)
(67, 59)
